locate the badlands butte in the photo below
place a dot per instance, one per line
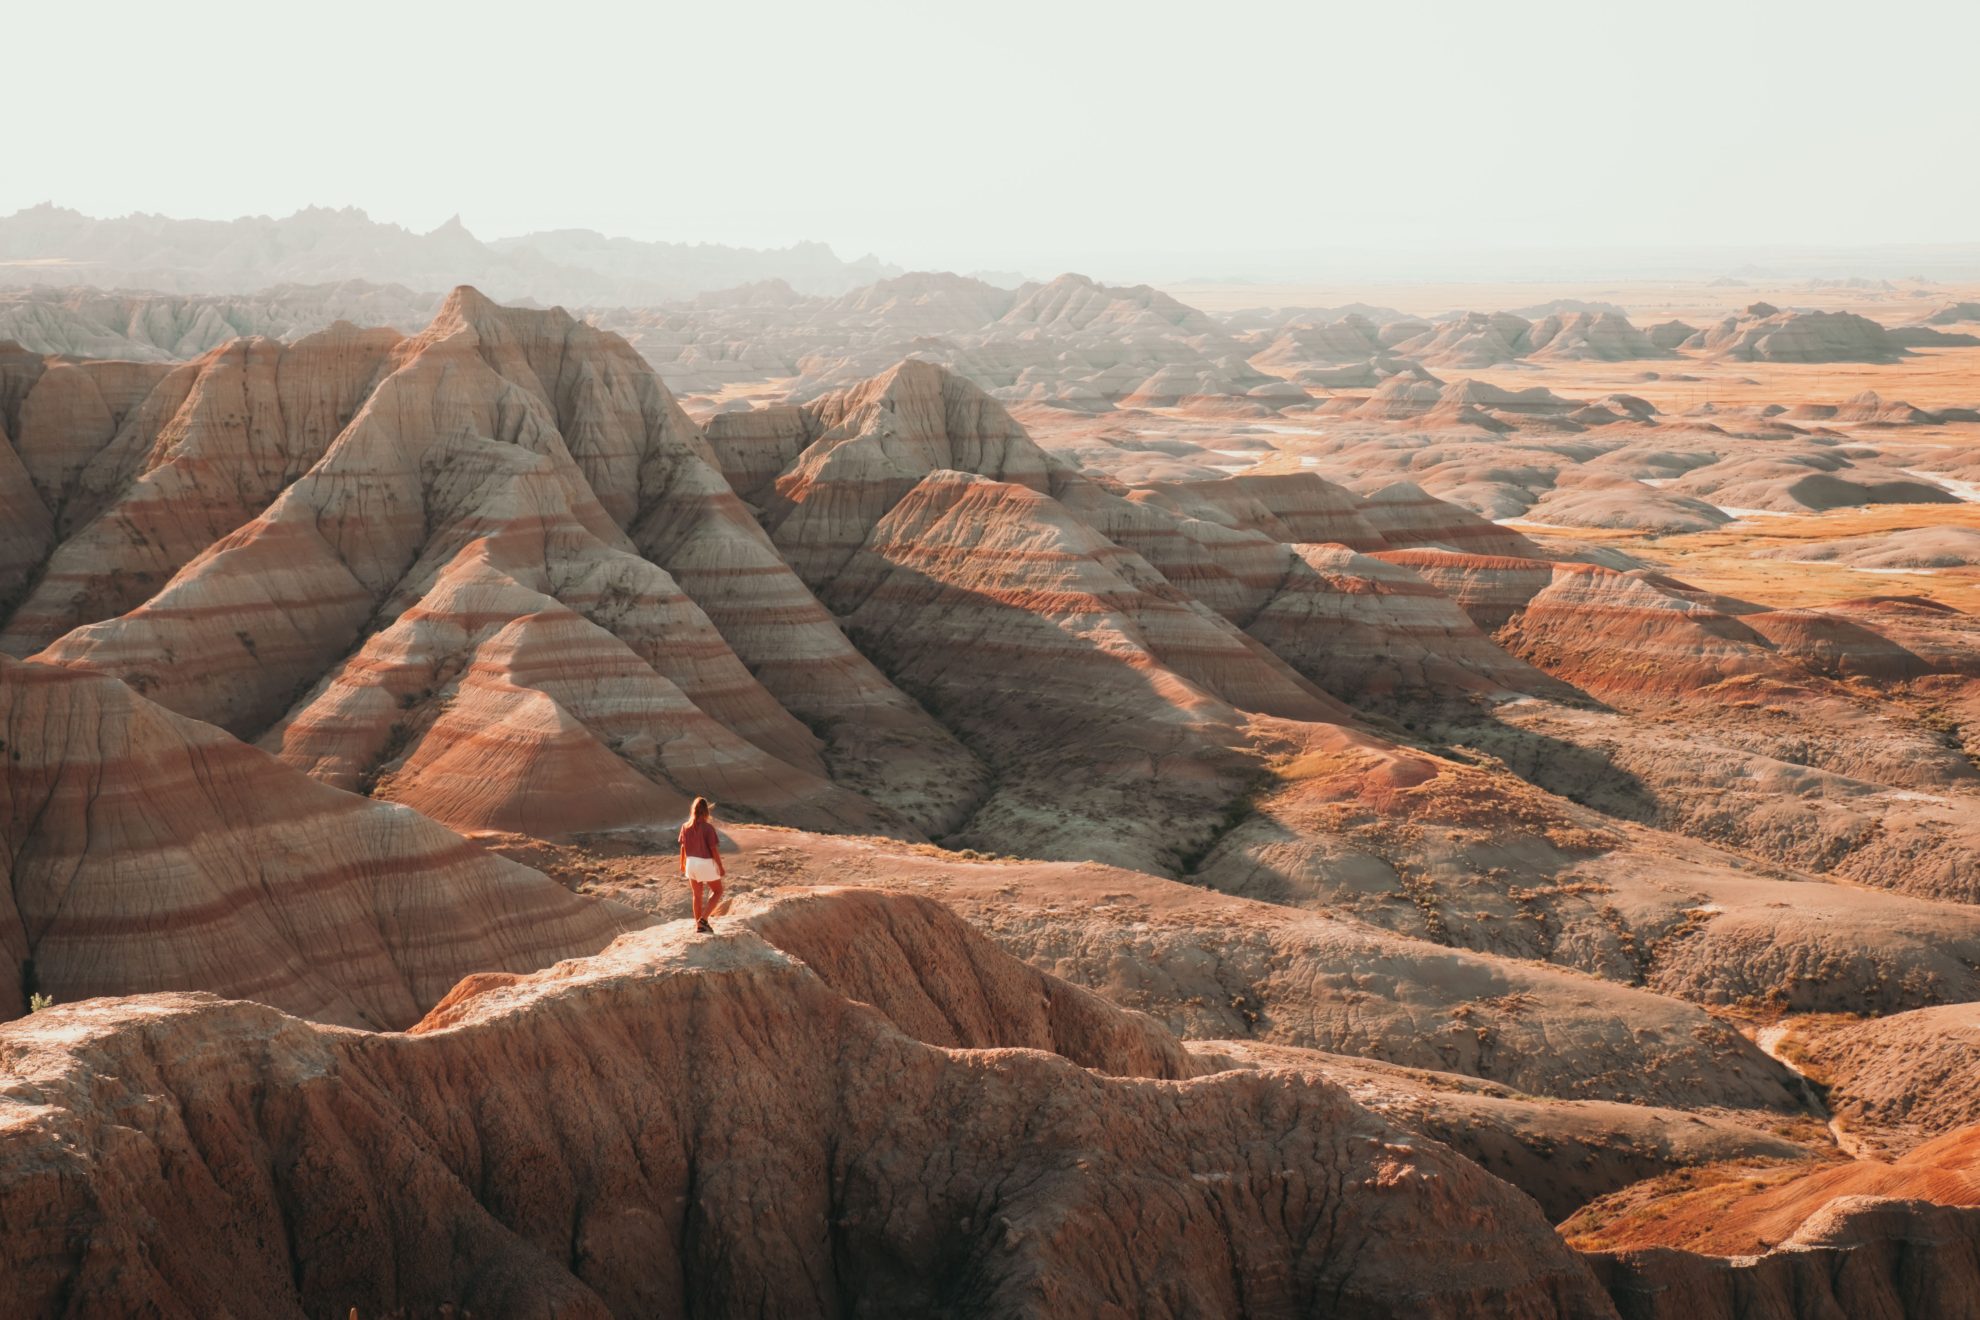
(1342, 810)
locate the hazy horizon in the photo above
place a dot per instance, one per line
(1129, 143)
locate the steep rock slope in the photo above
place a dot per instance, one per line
(146, 851)
(1137, 735)
(1857, 1256)
(206, 450)
(520, 445)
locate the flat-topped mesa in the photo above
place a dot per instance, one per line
(152, 852)
(789, 1173)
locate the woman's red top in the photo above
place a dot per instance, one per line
(698, 837)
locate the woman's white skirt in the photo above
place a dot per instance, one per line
(703, 869)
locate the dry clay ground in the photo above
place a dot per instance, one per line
(1566, 1085)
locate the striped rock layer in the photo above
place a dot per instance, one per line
(493, 572)
(808, 1156)
(147, 851)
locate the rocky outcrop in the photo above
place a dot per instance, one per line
(1862, 1256)
(1562, 1153)
(695, 1076)
(1070, 344)
(1914, 547)
(1669, 334)
(1491, 589)
(967, 565)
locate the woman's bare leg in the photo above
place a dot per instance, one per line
(714, 897)
(694, 887)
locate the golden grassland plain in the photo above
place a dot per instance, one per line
(1647, 301)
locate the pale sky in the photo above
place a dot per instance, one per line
(1022, 135)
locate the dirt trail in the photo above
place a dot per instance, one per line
(1769, 1040)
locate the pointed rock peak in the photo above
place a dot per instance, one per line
(466, 300)
(469, 312)
(906, 383)
(466, 308)
(1763, 310)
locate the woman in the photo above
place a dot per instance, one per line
(701, 863)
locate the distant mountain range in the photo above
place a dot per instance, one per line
(47, 244)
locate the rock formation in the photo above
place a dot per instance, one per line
(1765, 333)
(909, 1177)
(152, 852)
